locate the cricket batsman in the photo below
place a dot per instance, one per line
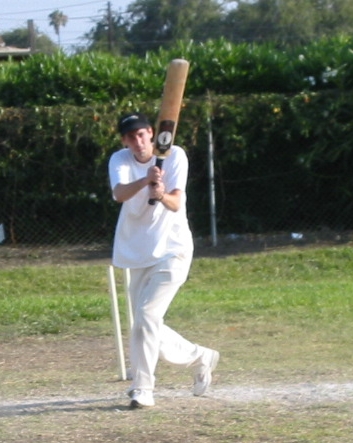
(155, 242)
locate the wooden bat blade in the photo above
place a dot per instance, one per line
(172, 97)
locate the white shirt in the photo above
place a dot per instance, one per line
(146, 234)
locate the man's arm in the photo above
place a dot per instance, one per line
(171, 200)
(123, 192)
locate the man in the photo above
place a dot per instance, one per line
(155, 243)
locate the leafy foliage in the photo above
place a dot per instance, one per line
(282, 126)
(19, 38)
(57, 19)
(161, 23)
(148, 25)
(219, 66)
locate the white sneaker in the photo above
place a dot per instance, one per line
(203, 373)
(141, 398)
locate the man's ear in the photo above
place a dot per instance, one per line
(150, 130)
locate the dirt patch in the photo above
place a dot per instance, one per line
(67, 390)
(75, 369)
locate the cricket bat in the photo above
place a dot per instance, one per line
(173, 91)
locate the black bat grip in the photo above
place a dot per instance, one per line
(159, 164)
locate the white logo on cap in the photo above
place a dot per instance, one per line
(131, 117)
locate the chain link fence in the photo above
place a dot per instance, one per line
(268, 190)
(247, 216)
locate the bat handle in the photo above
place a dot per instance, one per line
(159, 163)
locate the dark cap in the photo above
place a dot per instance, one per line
(131, 122)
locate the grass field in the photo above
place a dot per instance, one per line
(278, 318)
(309, 288)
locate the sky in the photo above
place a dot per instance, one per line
(82, 15)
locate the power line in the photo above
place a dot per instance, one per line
(35, 11)
(78, 20)
(87, 17)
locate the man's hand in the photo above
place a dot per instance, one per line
(156, 185)
(154, 174)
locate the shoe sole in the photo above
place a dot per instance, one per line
(134, 404)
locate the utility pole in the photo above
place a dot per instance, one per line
(211, 178)
(32, 36)
(110, 28)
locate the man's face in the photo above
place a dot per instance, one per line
(140, 144)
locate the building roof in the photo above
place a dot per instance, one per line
(11, 51)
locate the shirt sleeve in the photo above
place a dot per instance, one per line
(118, 169)
(176, 173)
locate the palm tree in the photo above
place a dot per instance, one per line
(57, 19)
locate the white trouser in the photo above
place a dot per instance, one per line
(152, 290)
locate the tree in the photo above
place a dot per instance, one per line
(270, 20)
(334, 15)
(57, 19)
(160, 23)
(288, 21)
(148, 25)
(109, 34)
(19, 38)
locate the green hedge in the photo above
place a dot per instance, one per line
(219, 66)
(282, 126)
(283, 162)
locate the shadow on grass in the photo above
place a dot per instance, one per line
(67, 405)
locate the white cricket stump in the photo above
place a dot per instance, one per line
(124, 374)
(126, 278)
